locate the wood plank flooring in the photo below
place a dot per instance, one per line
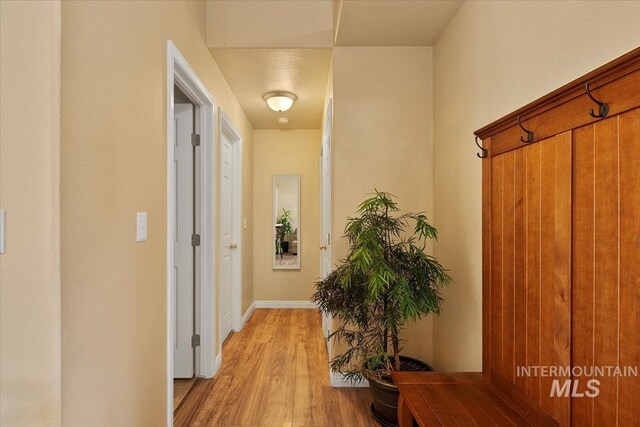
(180, 389)
(275, 373)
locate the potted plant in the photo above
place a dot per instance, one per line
(285, 230)
(386, 280)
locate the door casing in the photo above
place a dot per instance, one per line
(229, 131)
(181, 74)
(325, 210)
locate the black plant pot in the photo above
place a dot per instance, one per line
(384, 408)
(285, 247)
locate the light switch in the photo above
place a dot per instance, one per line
(1, 231)
(141, 226)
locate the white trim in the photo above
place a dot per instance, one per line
(217, 364)
(338, 380)
(226, 126)
(326, 217)
(180, 73)
(285, 304)
(247, 315)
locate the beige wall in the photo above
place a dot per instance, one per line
(382, 139)
(493, 58)
(29, 193)
(282, 152)
(113, 163)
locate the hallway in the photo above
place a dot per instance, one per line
(275, 373)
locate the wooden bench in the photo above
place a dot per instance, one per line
(460, 399)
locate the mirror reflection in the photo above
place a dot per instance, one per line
(286, 221)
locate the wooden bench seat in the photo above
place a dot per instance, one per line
(459, 399)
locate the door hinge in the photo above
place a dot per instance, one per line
(195, 341)
(195, 240)
(195, 139)
(329, 239)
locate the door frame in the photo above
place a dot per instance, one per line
(227, 128)
(181, 74)
(326, 196)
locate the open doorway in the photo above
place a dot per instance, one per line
(325, 210)
(190, 232)
(186, 263)
(230, 302)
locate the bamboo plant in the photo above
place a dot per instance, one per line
(386, 280)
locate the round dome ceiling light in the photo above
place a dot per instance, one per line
(280, 101)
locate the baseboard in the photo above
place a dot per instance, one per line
(285, 304)
(247, 315)
(217, 365)
(338, 380)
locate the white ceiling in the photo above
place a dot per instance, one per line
(269, 45)
(393, 22)
(253, 72)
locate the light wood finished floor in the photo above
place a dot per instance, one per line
(180, 389)
(275, 373)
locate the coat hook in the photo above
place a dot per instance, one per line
(529, 133)
(485, 152)
(604, 108)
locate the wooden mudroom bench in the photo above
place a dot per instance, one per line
(459, 399)
(561, 264)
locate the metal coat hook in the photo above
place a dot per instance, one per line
(485, 152)
(529, 133)
(604, 108)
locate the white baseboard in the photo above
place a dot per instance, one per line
(247, 315)
(338, 380)
(285, 304)
(217, 365)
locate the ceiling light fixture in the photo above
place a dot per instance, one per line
(280, 101)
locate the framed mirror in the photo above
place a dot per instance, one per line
(286, 222)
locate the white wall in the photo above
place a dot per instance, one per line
(30, 372)
(493, 58)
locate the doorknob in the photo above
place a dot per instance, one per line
(323, 247)
(233, 245)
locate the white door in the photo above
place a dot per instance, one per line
(226, 232)
(183, 267)
(325, 212)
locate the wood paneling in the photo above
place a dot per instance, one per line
(496, 263)
(486, 264)
(606, 258)
(533, 276)
(561, 219)
(530, 234)
(606, 280)
(562, 268)
(583, 266)
(629, 287)
(508, 273)
(519, 266)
